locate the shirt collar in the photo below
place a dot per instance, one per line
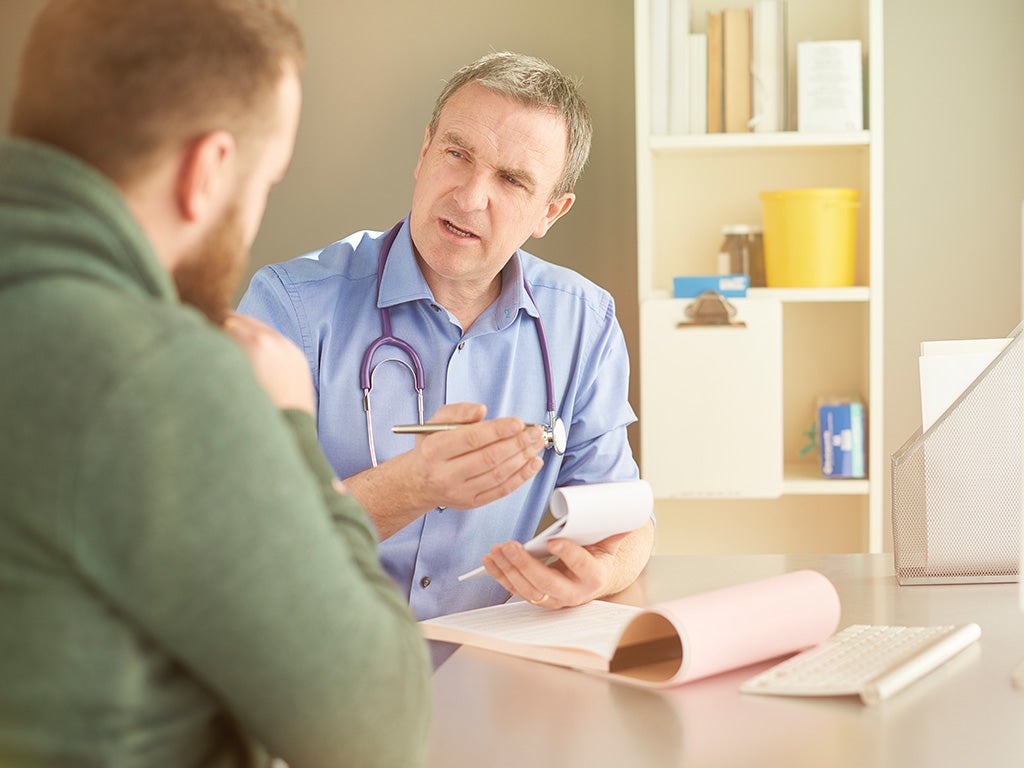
(513, 294)
(403, 282)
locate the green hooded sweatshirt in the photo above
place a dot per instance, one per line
(179, 584)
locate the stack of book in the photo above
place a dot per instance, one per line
(730, 78)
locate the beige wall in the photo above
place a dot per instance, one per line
(954, 183)
(954, 146)
(374, 70)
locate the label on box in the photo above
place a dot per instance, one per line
(841, 433)
(730, 286)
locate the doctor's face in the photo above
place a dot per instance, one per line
(483, 187)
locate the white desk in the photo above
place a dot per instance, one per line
(493, 710)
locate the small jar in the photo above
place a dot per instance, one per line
(742, 252)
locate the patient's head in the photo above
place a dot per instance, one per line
(119, 82)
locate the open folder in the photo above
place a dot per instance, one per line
(665, 644)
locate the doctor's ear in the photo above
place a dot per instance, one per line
(423, 153)
(556, 209)
(206, 174)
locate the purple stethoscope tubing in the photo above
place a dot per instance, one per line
(387, 338)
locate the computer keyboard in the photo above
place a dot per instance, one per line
(872, 662)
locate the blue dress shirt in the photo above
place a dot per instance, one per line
(328, 303)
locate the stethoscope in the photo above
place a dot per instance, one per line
(555, 433)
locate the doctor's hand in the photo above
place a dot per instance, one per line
(462, 468)
(580, 574)
(280, 367)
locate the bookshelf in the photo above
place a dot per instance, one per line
(688, 187)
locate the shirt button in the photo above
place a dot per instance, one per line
(462, 344)
(425, 582)
(435, 307)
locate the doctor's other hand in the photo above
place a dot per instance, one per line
(580, 574)
(478, 463)
(280, 367)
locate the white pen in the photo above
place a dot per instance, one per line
(473, 574)
(481, 570)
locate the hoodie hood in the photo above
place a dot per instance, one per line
(60, 216)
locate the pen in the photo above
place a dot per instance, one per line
(546, 560)
(553, 438)
(425, 429)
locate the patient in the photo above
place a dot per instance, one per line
(183, 581)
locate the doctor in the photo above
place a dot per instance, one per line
(444, 314)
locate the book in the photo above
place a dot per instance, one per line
(768, 66)
(660, 46)
(829, 86)
(736, 70)
(679, 65)
(587, 514)
(666, 644)
(714, 67)
(698, 48)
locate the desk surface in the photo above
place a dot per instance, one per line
(498, 711)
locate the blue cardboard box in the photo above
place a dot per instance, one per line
(730, 286)
(841, 437)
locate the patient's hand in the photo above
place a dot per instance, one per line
(279, 365)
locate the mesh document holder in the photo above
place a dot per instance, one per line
(956, 488)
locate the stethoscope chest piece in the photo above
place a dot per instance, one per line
(556, 436)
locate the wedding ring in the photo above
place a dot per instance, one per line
(543, 598)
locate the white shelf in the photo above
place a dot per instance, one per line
(833, 340)
(854, 294)
(818, 295)
(805, 479)
(713, 142)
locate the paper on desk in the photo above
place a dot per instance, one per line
(586, 514)
(740, 625)
(662, 645)
(948, 368)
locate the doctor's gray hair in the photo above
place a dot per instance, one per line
(535, 83)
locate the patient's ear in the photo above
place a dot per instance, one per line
(205, 175)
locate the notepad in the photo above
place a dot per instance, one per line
(587, 514)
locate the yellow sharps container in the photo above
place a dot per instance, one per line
(810, 237)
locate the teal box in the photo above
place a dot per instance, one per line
(730, 286)
(841, 432)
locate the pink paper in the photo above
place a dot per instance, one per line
(736, 626)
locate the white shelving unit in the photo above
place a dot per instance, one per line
(687, 188)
